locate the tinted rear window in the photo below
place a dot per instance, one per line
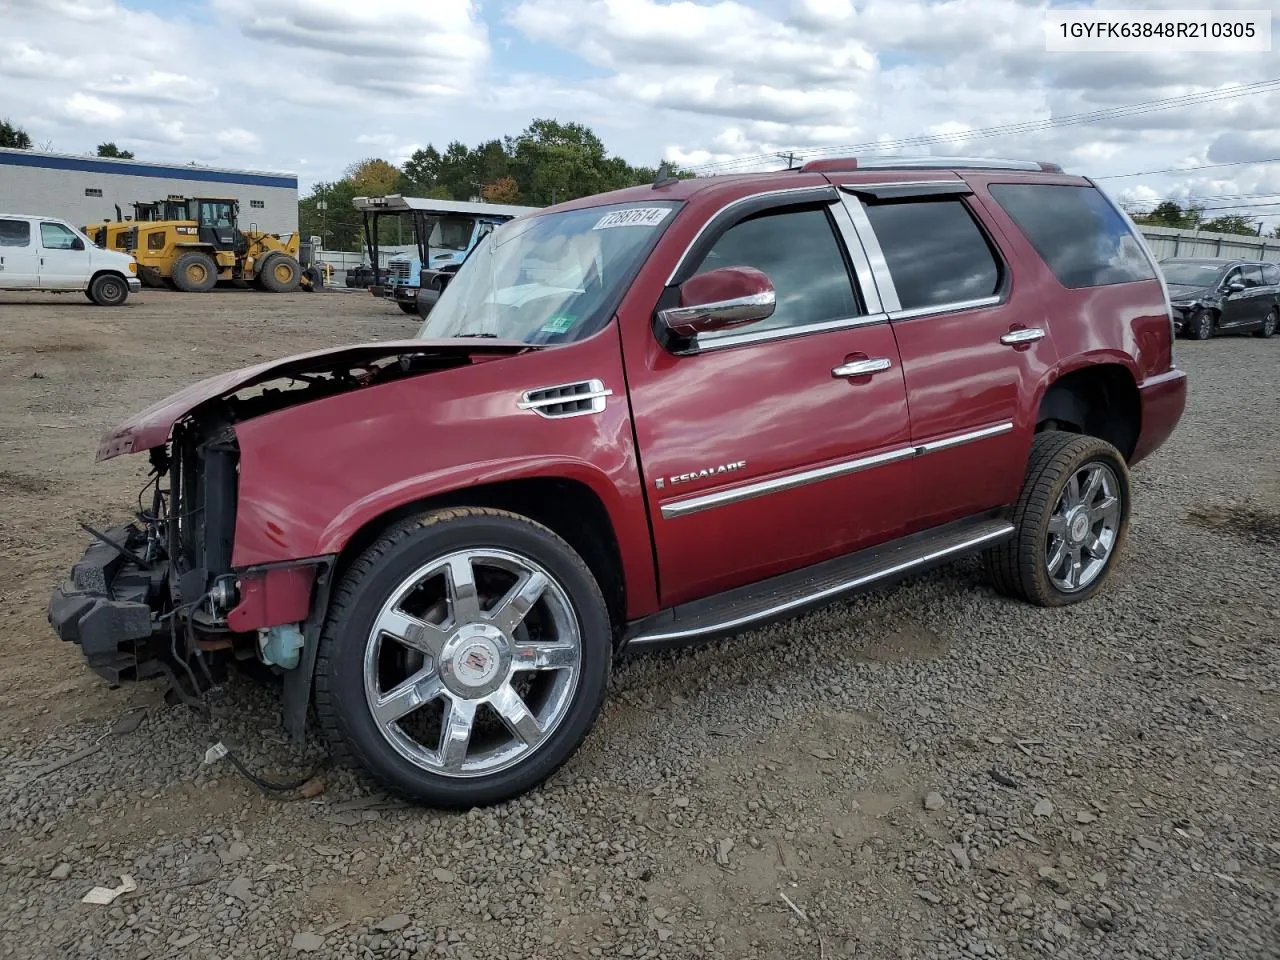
(1271, 274)
(1076, 232)
(14, 233)
(936, 254)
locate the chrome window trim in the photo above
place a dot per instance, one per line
(946, 163)
(852, 242)
(885, 287)
(813, 188)
(785, 333)
(719, 498)
(851, 584)
(953, 307)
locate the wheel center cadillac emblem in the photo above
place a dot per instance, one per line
(475, 664)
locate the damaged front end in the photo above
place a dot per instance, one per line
(158, 596)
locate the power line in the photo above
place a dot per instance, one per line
(1206, 166)
(1028, 126)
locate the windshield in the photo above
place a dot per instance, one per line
(552, 278)
(451, 234)
(1190, 273)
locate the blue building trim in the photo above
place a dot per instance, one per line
(134, 169)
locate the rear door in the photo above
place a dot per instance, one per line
(64, 257)
(1256, 295)
(19, 256)
(761, 452)
(973, 340)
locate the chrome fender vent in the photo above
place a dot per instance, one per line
(566, 399)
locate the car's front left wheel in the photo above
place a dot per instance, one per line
(464, 658)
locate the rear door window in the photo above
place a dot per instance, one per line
(936, 252)
(1252, 275)
(1077, 232)
(15, 233)
(1271, 274)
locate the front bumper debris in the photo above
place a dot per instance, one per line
(105, 606)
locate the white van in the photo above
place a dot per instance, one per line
(44, 253)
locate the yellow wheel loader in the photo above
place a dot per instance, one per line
(205, 245)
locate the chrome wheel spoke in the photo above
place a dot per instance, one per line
(1058, 526)
(1091, 486)
(411, 631)
(513, 608)
(455, 733)
(464, 601)
(1056, 556)
(407, 696)
(515, 714)
(544, 656)
(1095, 547)
(1107, 512)
(1074, 567)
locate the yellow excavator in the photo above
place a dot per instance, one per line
(192, 243)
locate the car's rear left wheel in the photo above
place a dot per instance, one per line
(1070, 521)
(1269, 324)
(464, 659)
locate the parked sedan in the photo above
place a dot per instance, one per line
(1223, 296)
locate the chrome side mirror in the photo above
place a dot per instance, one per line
(719, 299)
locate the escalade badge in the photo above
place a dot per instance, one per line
(701, 474)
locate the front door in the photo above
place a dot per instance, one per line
(765, 450)
(19, 256)
(973, 347)
(64, 257)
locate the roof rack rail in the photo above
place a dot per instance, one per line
(847, 164)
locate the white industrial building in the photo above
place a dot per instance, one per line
(86, 190)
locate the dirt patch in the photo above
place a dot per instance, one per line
(909, 642)
(1262, 526)
(12, 482)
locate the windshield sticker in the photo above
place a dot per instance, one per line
(558, 325)
(635, 217)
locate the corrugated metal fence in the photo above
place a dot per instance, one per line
(1169, 242)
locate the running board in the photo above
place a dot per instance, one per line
(791, 594)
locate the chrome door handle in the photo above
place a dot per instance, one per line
(1025, 335)
(861, 368)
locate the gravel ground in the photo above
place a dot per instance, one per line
(925, 772)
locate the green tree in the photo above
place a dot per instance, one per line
(13, 137)
(109, 149)
(1231, 223)
(421, 171)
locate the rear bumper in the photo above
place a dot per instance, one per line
(105, 606)
(1163, 399)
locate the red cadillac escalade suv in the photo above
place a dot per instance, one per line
(649, 417)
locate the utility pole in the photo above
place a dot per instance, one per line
(790, 157)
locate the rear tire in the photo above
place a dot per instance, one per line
(1200, 326)
(411, 308)
(1269, 324)
(279, 273)
(1062, 524)
(108, 290)
(195, 272)
(455, 616)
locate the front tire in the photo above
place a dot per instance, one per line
(195, 272)
(464, 658)
(1070, 522)
(1269, 324)
(280, 273)
(108, 290)
(1200, 326)
(406, 307)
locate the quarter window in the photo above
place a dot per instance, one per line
(1077, 232)
(937, 254)
(15, 233)
(1271, 275)
(798, 251)
(55, 236)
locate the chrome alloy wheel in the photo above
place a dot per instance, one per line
(1083, 528)
(472, 662)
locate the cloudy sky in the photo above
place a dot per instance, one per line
(310, 85)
